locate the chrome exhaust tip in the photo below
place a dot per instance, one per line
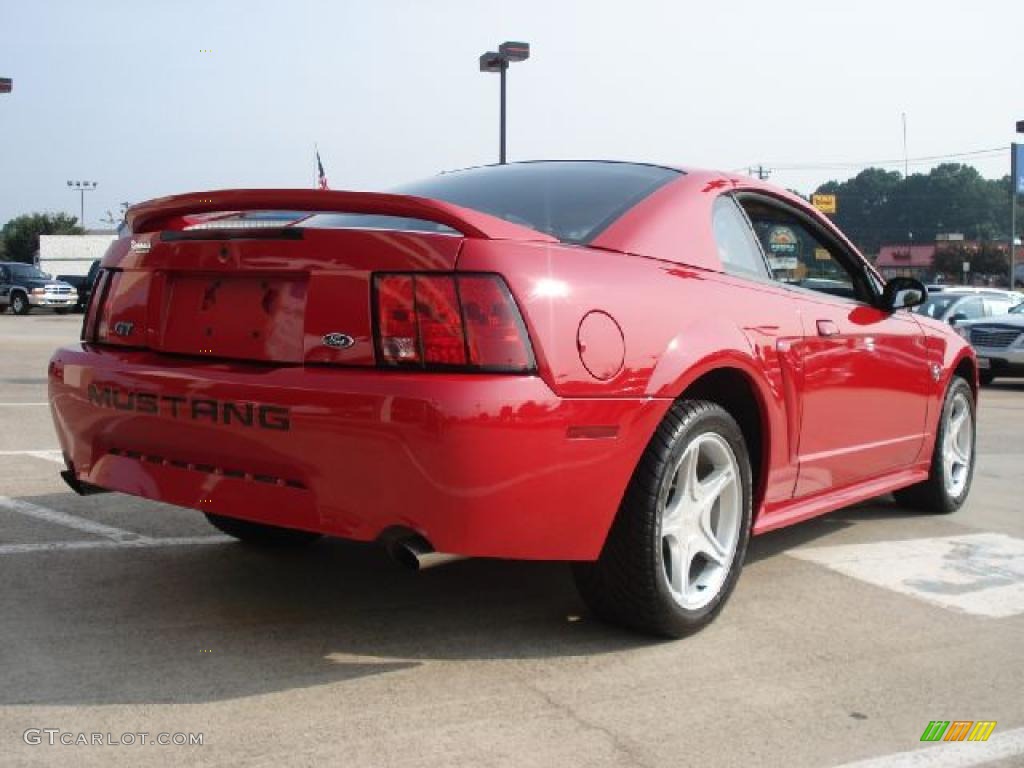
(416, 554)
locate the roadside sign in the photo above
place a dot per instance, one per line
(824, 203)
(822, 254)
(967, 267)
(6, 84)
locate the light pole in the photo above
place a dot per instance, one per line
(498, 61)
(82, 187)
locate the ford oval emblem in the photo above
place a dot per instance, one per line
(338, 340)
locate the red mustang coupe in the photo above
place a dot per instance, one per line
(631, 367)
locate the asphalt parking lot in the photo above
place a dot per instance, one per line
(845, 637)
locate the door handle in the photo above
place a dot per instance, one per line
(827, 328)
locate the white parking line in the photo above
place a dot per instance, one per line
(28, 509)
(48, 455)
(955, 754)
(981, 573)
(142, 542)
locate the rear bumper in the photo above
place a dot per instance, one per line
(481, 465)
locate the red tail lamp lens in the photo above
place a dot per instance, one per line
(450, 321)
(494, 330)
(440, 321)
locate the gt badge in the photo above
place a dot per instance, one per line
(123, 328)
(338, 340)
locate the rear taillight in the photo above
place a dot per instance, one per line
(449, 322)
(94, 310)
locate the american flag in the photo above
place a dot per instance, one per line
(321, 179)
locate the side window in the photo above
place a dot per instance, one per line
(970, 309)
(736, 245)
(801, 256)
(5, 275)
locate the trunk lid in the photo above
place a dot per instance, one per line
(187, 283)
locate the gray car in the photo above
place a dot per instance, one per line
(956, 306)
(999, 343)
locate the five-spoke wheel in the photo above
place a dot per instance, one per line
(677, 544)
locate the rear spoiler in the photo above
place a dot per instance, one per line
(166, 212)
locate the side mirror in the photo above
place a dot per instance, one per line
(956, 317)
(903, 293)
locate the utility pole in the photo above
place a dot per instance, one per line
(906, 157)
(761, 172)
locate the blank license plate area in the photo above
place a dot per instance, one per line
(252, 317)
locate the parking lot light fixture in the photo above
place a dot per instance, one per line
(498, 61)
(82, 187)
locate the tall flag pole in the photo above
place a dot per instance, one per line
(321, 177)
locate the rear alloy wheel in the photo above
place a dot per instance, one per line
(260, 534)
(952, 468)
(19, 303)
(677, 545)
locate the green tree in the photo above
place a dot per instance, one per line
(864, 209)
(987, 259)
(878, 206)
(20, 236)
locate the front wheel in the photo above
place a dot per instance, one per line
(676, 548)
(952, 467)
(260, 534)
(19, 304)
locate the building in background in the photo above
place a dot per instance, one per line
(73, 254)
(941, 261)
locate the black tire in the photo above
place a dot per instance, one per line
(62, 311)
(628, 584)
(932, 495)
(19, 303)
(986, 377)
(260, 534)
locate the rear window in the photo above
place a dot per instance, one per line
(573, 201)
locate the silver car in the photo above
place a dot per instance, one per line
(999, 343)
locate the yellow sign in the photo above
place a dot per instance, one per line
(824, 203)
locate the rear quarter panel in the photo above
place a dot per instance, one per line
(677, 324)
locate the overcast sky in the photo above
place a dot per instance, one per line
(123, 93)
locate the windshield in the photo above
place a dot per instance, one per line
(570, 200)
(937, 306)
(1018, 310)
(27, 272)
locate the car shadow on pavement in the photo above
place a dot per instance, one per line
(219, 621)
(199, 623)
